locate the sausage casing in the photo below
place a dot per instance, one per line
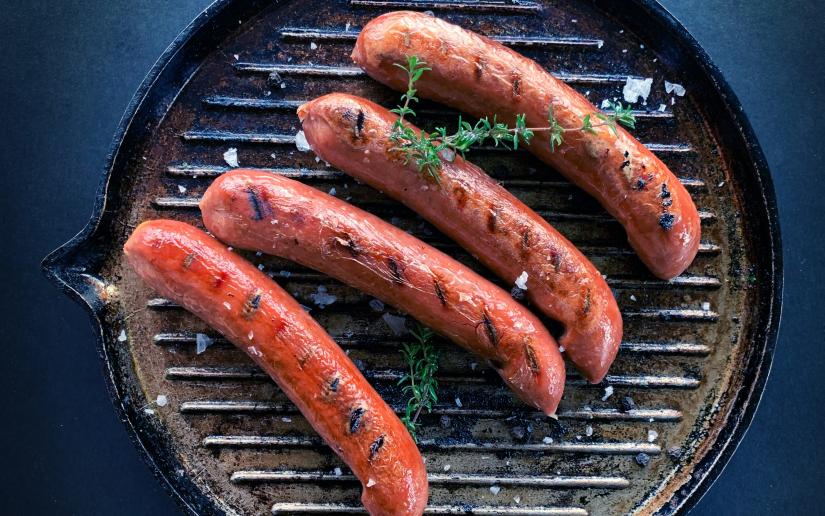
(192, 268)
(484, 78)
(275, 215)
(467, 205)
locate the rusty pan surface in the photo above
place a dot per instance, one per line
(697, 349)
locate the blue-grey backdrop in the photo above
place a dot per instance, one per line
(68, 72)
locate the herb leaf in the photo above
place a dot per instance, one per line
(428, 150)
(419, 382)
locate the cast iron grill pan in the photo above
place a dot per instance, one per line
(696, 349)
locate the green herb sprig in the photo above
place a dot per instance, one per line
(419, 382)
(427, 150)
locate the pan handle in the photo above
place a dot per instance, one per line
(74, 267)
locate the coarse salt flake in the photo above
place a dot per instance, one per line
(251, 335)
(313, 45)
(286, 419)
(122, 337)
(254, 351)
(705, 306)
(371, 482)
(458, 402)
(608, 392)
(652, 435)
(332, 191)
(162, 400)
(337, 472)
(588, 430)
(672, 87)
(561, 349)
(301, 142)
(397, 323)
(662, 107)
(447, 467)
(635, 88)
(181, 189)
(521, 281)
(495, 490)
(231, 157)
(547, 440)
(632, 297)
(148, 411)
(321, 298)
(376, 305)
(517, 499)
(202, 342)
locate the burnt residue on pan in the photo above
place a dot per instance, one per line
(649, 439)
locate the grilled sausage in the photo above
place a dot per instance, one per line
(484, 218)
(187, 265)
(484, 78)
(275, 215)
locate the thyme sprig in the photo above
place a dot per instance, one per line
(419, 382)
(427, 150)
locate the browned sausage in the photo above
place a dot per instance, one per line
(467, 205)
(192, 268)
(275, 215)
(484, 78)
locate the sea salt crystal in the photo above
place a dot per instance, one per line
(337, 472)
(347, 26)
(231, 157)
(397, 323)
(202, 342)
(662, 107)
(236, 56)
(332, 191)
(181, 189)
(605, 104)
(608, 392)
(301, 142)
(600, 44)
(284, 274)
(286, 419)
(705, 306)
(251, 335)
(517, 499)
(636, 88)
(652, 435)
(254, 351)
(721, 184)
(521, 281)
(162, 400)
(458, 402)
(313, 45)
(283, 85)
(149, 411)
(632, 297)
(495, 490)
(376, 305)
(562, 349)
(588, 430)
(447, 467)
(321, 298)
(547, 440)
(678, 89)
(122, 337)
(371, 482)
(227, 305)
(260, 266)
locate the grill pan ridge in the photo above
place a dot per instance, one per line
(697, 350)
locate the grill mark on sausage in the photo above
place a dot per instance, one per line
(252, 303)
(395, 270)
(333, 385)
(355, 418)
(492, 218)
(516, 78)
(305, 357)
(525, 240)
(347, 242)
(490, 329)
(530, 353)
(376, 446)
(586, 304)
(439, 291)
(460, 196)
(665, 192)
(260, 207)
(480, 67)
(666, 221)
(359, 124)
(187, 262)
(555, 260)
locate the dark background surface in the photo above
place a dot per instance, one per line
(68, 72)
